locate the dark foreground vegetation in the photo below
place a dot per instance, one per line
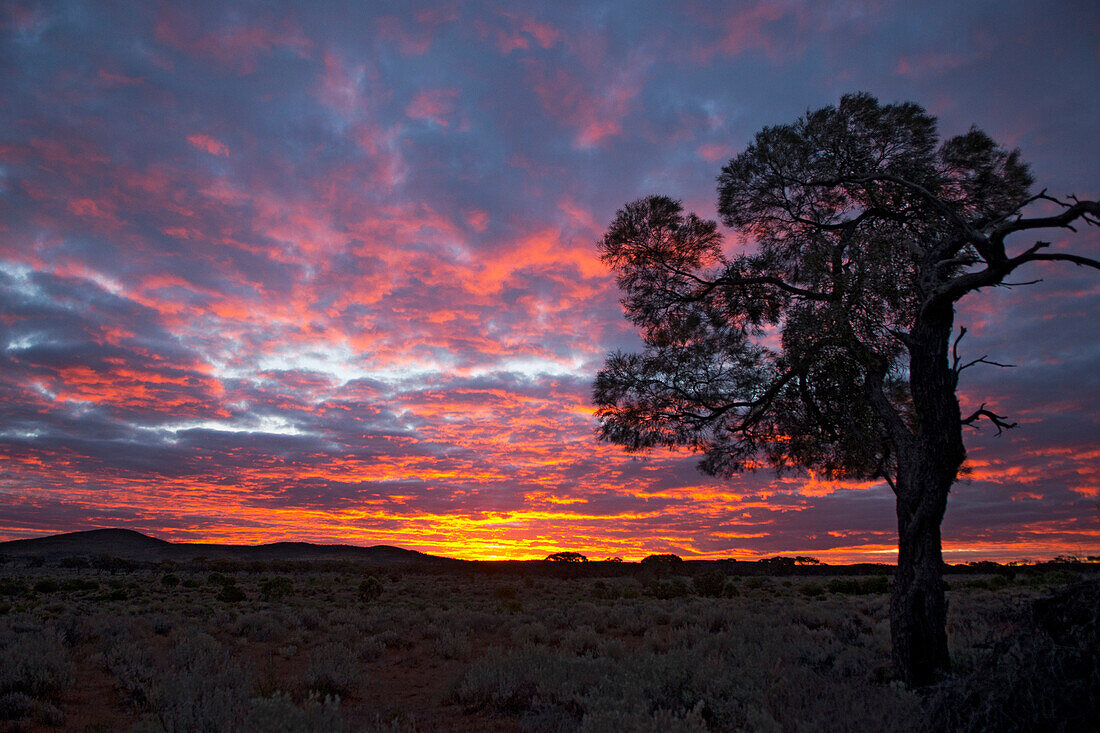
(103, 643)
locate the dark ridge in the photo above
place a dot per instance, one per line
(90, 542)
(130, 545)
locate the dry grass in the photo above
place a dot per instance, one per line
(317, 648)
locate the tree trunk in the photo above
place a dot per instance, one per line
(927, 467)
(918, 608)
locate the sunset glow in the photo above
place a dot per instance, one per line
(328, 272)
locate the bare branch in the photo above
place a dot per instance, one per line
(998, 420)
(997, 271)
(983, 360)
(1060, 257)
(955, 349)
(1088, 210)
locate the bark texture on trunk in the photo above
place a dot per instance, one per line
(927, 467)
(918, 608)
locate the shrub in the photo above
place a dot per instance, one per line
(205, 689)
(231, 594)
(1045, 675)
(219, 579)
(333, 670)
(10, 587)
(370, 589)
(170, 580)
(35, 664)
(504, 592)
(118, 594)
(711, 584)
(17, 706)
(258, 627)
(665, 590)
(452, 645)
(276, 588)
(133, 667)
(47, 586)
(859, 586)
(279, 714)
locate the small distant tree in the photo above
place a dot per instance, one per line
(567, 557)
(666, 559)
(829, 343)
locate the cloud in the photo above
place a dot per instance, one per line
(593, 103)
(208, 144)
(436, 105)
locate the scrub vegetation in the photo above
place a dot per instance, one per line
(542, 646)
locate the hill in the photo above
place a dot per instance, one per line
(130, 545)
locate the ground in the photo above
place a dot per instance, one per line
(297, 646)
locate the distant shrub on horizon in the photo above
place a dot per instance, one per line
(665, 559)
(567, 557)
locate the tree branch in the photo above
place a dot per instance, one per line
(998, 420)
(708, 287)
(1081, 209)
(982, 360)
(997, 271)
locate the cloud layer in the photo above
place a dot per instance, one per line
(274, 272)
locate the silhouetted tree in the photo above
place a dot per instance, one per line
(667, 559)
(567, 557)
(829, 344)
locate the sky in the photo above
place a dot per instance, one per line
(328, 271)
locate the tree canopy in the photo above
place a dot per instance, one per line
(791, 351)
(567, 557)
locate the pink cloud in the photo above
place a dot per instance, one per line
(594, 107)
(238, 47)
(929, 63)
(433, 104)
(714, 152)
(477, 219)
(208, 144)
(749, 28)
(518, 32)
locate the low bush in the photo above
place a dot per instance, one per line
(273, 589)
(370, 589)
(231, 594)
(35, 663)
(1043, 675)
(859, 586)
(279, 714)
(452, 645)
(333, 670)
(711, 584)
